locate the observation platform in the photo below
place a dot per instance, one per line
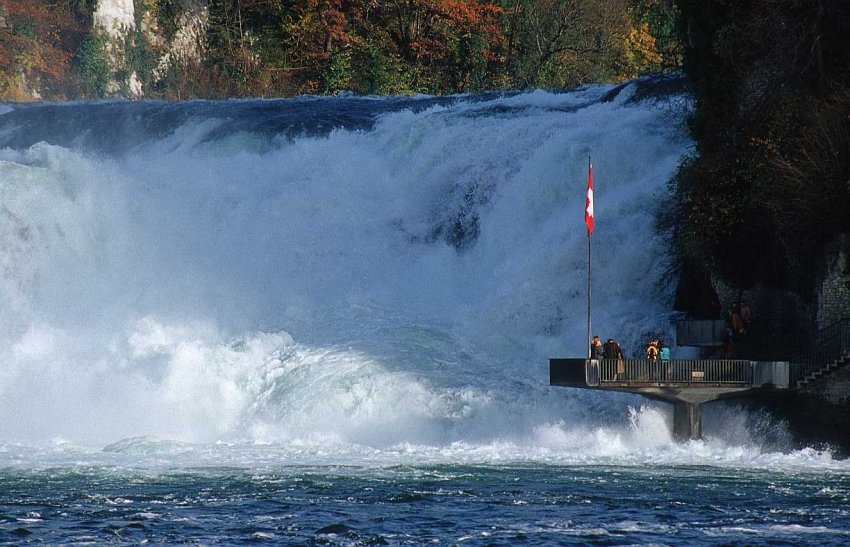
(685, 383)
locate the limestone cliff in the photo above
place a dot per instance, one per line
(116, 20)
(137, 49)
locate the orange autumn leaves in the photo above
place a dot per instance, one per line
(32, 52)
(48, 48)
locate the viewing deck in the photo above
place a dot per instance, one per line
(685, 383)
(689, 383)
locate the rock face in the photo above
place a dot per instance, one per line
(187, 45)
(817, 414)
(834, 292)
(117, 20)
(115, 17)
(128, 24)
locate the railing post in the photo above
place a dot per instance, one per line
(591, 372)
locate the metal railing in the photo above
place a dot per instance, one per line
(832, 343)
(674, 372)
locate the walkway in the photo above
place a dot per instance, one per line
(685, 383)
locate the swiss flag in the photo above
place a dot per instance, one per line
(588, 204)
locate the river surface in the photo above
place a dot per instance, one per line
(98, 499)
(328, 321)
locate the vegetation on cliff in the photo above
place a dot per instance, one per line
(53, 49)
(769, 185)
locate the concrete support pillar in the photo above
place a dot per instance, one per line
(687, 421)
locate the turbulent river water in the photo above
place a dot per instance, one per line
(327, 320)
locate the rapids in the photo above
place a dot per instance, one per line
(346, 279)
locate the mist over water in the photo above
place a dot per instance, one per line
(341, 279)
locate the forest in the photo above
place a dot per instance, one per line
(54, 49)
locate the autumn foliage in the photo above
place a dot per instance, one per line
(287, 47)
(33, 53)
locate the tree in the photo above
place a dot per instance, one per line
(32, 60)
(453, 43)
(93, 64)
(563, 43)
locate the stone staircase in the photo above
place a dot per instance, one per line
(826, 370)
(832, 353)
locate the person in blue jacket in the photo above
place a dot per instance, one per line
(664, 358)
(664, 352)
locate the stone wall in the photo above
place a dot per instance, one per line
(788, 312)
(834, 292)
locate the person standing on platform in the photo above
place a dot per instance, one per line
(735, 321)
(664, 352)
(612, 350)
(664, 358)
(746, 317)
(652, 350)
(650, 370)
(596, 350)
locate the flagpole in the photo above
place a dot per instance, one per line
(589, 270)
(589, 336)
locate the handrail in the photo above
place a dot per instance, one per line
(832, 343)
(675, 371)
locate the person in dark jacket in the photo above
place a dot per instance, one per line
(612, 350)
(596, 351)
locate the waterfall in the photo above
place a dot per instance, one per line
(342, 272)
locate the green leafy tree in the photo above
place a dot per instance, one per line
(93, 64)
(562, 43)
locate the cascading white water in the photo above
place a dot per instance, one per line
(389, 284)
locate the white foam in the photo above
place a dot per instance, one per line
(300, 297)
